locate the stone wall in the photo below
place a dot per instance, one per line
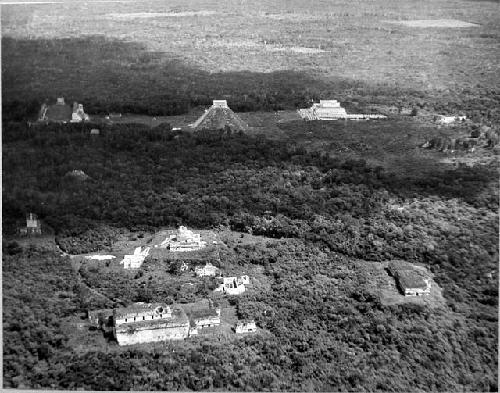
(126, 336)
(213, 320)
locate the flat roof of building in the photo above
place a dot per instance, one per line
(59, 112)
(410, 279)
(178, 317)
(137, 308)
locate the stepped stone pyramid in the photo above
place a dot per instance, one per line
(218, 116)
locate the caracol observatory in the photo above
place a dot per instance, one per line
(218, 117)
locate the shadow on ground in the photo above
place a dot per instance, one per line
(111, 75)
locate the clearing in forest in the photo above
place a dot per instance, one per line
(378, 280)
(450, 23)
(142, 15)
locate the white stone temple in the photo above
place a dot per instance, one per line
(184, 240)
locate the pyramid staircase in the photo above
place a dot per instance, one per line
(219, 116)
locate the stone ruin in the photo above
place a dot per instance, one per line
(77, 174)
(135, 260)
(62, 113)
(33, 226)
(332, 110)
(184, 240)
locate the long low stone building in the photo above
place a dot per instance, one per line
(155, 322)
(144, 323)
(332, 110)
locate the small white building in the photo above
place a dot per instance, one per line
(450, 119)
(100, 257)
(33, 225)
(220, 104)
(232, 285)
(245, 327)
(135, 260)
(184, 240)
(208, 270)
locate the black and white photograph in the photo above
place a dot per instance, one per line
(250, 195)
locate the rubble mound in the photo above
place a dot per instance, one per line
(77, 174)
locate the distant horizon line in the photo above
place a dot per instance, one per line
(62, 2)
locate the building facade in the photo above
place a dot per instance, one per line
(332, 110)
(245, 327)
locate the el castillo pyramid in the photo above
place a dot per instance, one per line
(219, 116)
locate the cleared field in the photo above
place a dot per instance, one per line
(346, 40)
(425, 23)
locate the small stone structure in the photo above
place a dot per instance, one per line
(203, 318)
(450, 119)
(78, 114)
(208, 270)
(332, 110)
(220, 104)
(184, 240)
(101, 318)
(410, 280)
(114, 115)
(33, 226)
(143, 323)
(245, 327)
(100, 257)
(135, 260)
(233, 285)
(78, 174)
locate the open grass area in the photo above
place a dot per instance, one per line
(363, 46)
